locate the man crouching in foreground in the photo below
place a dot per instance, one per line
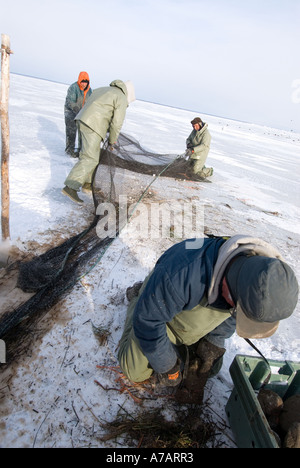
(198, 294)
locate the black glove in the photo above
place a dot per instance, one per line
(173, 377)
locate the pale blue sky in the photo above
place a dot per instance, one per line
(232, 58)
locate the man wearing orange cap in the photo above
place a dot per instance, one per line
(75, 100)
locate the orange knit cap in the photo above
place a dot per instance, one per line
(83, 76)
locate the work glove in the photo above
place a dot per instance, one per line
(173, 377)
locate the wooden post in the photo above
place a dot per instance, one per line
(5, 53)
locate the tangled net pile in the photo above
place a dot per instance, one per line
(128, 170)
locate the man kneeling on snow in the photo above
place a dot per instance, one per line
(198, 145)
(198, 294)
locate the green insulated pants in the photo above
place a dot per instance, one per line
(89, 157)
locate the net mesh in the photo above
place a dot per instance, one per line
(127, 170)
(130, 169)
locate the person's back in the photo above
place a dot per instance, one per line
(105, 106)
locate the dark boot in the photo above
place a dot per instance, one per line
(72, 194)
(206, 172)
(200, 370)
(192, 389)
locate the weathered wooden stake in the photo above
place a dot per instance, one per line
(5, 53)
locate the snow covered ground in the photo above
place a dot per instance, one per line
(49, 398)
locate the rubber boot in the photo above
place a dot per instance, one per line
(192, 388)
(72, 194)
(206, 172)
(200, 370)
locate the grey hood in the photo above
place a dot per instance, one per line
(236, 245)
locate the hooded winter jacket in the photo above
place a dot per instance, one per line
(199, 141)
(179, 282)
(105, 110)
(77, 95)
(183, 279)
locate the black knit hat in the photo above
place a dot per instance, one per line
(265, 291)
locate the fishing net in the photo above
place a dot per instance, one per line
(127, 171)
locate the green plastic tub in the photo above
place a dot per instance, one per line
(247, 420)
